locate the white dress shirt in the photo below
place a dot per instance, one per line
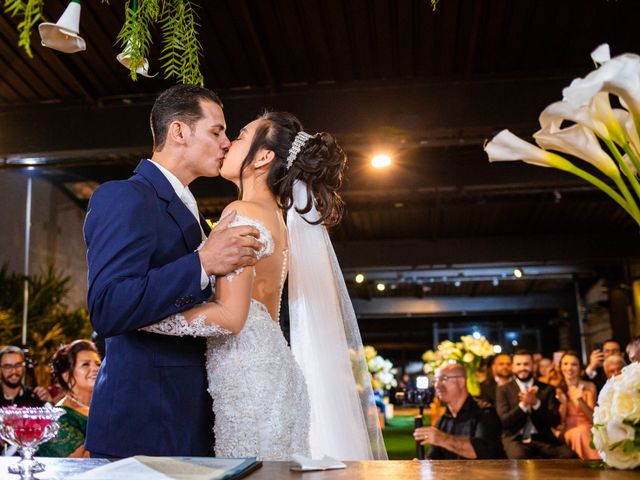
(529, 427)
(189, 201)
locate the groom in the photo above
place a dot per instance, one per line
(142, 234)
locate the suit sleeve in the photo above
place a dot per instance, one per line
(511, 416)
(124, 293)
(548, 413)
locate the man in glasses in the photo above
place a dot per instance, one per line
(14, 392)
(469, 429)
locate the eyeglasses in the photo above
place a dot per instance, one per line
(444, 378)
(12, 366)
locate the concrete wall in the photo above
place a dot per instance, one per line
(56, 232)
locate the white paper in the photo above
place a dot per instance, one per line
(163, 468)
(304, 464)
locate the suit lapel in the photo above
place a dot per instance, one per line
(175, 208)
(205, 226)
(187, 223)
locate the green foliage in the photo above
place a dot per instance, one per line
(50, 323)
(178, 22)
(31, 13)
(135, 36)
(182, 50)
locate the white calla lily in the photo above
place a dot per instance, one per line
(580, 142)
(506, 146)
(620, 75)
(601, 54)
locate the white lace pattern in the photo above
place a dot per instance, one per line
(177, 325)
(260, 397)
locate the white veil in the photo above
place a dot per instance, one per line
(326, 343)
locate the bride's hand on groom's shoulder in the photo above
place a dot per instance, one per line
(229, 248)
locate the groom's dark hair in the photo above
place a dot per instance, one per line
(180, 102)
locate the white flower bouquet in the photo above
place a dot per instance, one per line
(468, 352)
(381, 370)
(586, 126)
(616, 420)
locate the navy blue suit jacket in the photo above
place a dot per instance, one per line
(151, 393)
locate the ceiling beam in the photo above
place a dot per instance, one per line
(459, 305)
(583, 248)
(446, 113)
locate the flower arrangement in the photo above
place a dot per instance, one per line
(584, 125)
(468, 352)
(616, 420)
(381, 370)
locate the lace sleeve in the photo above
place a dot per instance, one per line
(266, 239)
(177, 325)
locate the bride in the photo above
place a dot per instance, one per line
(271, 401)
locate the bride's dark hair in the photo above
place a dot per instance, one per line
(320, 164)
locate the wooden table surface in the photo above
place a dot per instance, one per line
(58, 469)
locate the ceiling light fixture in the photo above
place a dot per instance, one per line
(64, 34)
(381, 161)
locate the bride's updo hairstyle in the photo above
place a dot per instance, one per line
(320, 164)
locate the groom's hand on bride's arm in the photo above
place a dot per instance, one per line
(229, 248)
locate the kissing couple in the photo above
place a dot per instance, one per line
(178, 355)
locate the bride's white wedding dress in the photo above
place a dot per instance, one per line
(260, 397)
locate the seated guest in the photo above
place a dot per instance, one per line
(528, 410)
(544, 368)
(537, 356)
(469, 428)
(577, 400)
(633, 350)
(613, 365)
(594, 371)
(500, 374)
(14, 391)
(75, 368)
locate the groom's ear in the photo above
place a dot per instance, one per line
(264, 157)
(178, 132)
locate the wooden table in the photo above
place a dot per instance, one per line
(58, 469)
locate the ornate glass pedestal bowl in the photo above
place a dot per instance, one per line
(27, 428)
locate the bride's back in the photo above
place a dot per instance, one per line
(271, 270)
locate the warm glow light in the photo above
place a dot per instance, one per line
(380, 287)
(359, 278)
(517, 273)
(381, 161)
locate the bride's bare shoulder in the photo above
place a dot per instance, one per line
(243, 207)
(264, 214)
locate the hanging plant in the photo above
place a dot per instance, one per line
(177, 20)
(31, 13)
(181, 50)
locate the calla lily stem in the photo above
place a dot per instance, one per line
(630, 176)
(606, 189)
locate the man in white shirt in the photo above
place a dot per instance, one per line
(528, 410)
